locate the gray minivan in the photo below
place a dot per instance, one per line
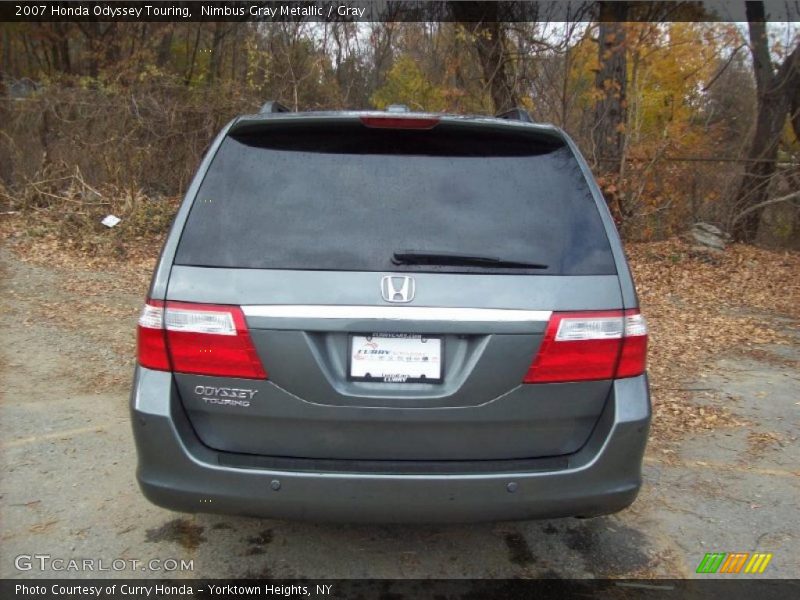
(391, 316)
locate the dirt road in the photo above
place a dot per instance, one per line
(68, 489)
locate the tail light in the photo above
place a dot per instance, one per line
(400, 122)
(584, 346)
(204, 339)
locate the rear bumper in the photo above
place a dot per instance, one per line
(177, 472)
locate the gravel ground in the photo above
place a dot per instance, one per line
(68, 489)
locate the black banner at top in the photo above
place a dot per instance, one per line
(380, 10)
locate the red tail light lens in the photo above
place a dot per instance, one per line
(204, 339)
(400, 122)
(585, 346)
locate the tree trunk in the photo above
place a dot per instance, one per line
(610, 109)
(762, 156)
(237, 31)
(91, 31)
(489, 40)
(777, 92)
(8, 63)
(220, 31)
(62, 47)
(190, 73)
(164, 45)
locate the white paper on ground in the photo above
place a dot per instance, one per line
(111, 221)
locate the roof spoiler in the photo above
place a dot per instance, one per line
(515, 114)
(273, 106)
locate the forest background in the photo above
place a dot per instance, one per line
(683, 120)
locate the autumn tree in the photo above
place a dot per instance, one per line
(610, 108)
(777, 94)
(489, 39)
(659, 99)
(407, 84)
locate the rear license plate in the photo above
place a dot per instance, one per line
(396, 358)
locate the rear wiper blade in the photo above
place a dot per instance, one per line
(420, 257)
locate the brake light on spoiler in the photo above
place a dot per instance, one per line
(203, 339)
(585, 346)
(400, 122)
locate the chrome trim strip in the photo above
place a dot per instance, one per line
(395, 313)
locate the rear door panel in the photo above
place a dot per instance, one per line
(309, 408)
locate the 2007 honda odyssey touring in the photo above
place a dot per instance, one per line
(391, 316)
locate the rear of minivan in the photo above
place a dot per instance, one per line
(391, 317)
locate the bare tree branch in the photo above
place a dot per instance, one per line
(760, 205)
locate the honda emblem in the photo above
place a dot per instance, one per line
(396, 288)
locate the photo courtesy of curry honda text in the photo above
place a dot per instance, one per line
(391, 317)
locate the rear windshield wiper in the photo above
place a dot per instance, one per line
(420, 257)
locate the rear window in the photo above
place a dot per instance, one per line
(346, 197)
